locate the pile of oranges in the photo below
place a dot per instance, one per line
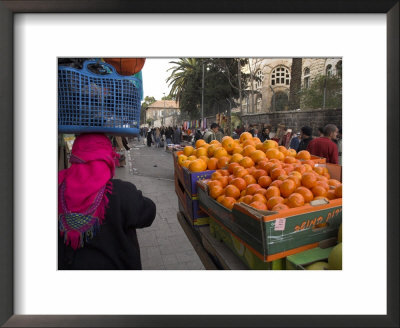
(263, 175)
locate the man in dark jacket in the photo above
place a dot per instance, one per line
(305, 136)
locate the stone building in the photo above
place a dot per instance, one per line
(271, 90)
(163, 113)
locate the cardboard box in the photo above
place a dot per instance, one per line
(190, 205)
(189, 178)
(301, 260)
(241, 249)
(275, 235)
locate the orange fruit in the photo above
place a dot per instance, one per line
(264, 181)
(319, 191)
(327, 175)
(257, 156)
(212, 163)
(319, 169)
(288, 168)
(247, 150)
(287, 187)
(295, 200)
(201, 151)
(188, 150)
(289, 160)
(220, 152)
(275, 173)
(308, 167)
(252, 188)
(283, 150)
(276, 165)
(186, 163)
(249, 142)
(338, 191)
(228, 202)
(276, 183)
(237, 149)
(257, 140)
(205, 159)
(228, 144)
(308, 180)
(240, 171)
(323, 184)
(268, 144)
(198, 165)
(230, 178)
(309, 162)
(232, 191)
(272, 191)
(215, 142)
(282, 177)
(300, 168)
(231, 166)
(261, 191)
(216, 191)
(258, 173)
(199, 143)
(280, 207)
(281, 156)
(223, 172)
(222, 162)
(259, 205)
(296, 179)
(181, 159)
(260, 146)
(220, 198)
(259, 198)
(291, 152)
(249, 179)
(275, 200)
(266, 166)
(211, 150)
(179, 152)
(245, 136)
(213, 183)
(224, 181)
(239, 183)
(331, 194)
(303, 154)
(192, 158)
(236, 158)
(246, 199)
(272, 153)
(306, 193)
(246, 162)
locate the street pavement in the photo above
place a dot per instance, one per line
(164, 245)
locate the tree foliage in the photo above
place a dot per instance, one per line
(221, 85)
(313, 97)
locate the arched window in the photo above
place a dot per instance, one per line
(306, 78)
(280, 76)
(328, 70)
(260, 79)
(258, 105)
(339, 69)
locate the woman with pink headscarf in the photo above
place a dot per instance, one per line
(98, 215)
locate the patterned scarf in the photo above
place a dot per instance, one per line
(83, 188)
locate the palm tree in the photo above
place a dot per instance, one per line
(181, 75)
(295, 84)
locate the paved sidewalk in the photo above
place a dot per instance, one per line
(164, 245)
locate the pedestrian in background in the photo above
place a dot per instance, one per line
(295, 141)
(149, 137)
(210, 135)
(324, 146)
(305, 137)
(157, 137)
(98, 215)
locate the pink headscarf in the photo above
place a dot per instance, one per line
(82, 188)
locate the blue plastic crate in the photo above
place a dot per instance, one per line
(90, 102)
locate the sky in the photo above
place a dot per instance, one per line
(154, 74)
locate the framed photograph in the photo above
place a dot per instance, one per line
(363, 33)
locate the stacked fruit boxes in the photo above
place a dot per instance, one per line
(186, 190)
(271, 236)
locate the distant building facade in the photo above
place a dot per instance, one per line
(163, 113)
(270, 92)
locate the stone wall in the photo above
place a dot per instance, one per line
(296, 119)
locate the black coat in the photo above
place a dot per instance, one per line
(115, 246)
(304, 143)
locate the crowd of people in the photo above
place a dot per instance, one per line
(325, 142)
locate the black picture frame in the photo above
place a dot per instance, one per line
(7, 11)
